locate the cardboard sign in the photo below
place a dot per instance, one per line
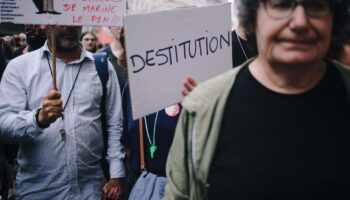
(63, 12)
(165, 48)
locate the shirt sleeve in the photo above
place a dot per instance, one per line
(114, 117)
(17, 124)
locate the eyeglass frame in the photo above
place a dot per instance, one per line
(296, 4)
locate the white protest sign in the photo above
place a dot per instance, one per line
(63, 12)
(165, 48)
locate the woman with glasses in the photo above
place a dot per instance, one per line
(277, 126)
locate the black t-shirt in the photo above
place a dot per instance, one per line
(241, 50)
(276, 146)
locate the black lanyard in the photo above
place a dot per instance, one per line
(75, 80)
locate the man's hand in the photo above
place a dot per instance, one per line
(51, 109)
(114, 189)
(189, 85)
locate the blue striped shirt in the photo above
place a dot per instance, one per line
(52, 166)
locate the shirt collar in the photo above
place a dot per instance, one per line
(84, 54)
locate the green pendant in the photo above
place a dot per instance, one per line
(152, 150)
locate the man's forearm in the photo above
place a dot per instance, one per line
(20, 127)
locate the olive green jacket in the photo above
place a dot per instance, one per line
(197, 134)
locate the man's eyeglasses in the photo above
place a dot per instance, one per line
(281, 9)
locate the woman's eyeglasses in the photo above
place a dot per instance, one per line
(281, 9)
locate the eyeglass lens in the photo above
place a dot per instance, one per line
(284, 8)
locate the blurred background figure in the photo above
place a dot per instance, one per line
(21, 39)
(2, 59)
(8, 152)
(8, 43)
(89, 40)
(340, 48)
(35, 36)
(18, 40)
(345, 55)
(115, 51)
(5, 174)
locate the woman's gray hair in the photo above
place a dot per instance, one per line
(247, 12)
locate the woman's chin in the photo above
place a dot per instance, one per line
(297, 59)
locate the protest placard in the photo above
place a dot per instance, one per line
(63, 12)
(166, 47)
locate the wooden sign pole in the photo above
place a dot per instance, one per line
(142, 151)
(53, 48)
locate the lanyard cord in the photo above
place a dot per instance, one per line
(75, 80)
(240, 44)
(154, 130)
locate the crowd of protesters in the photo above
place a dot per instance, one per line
(34, 37)
(286, 100)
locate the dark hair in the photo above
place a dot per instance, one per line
(88, 32)
(337, 45)
(2, 61)
(247, 13)
(122, 60)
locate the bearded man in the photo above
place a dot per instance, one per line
(59, 132)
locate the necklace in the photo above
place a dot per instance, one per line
(62, 130)
(240, 44)
(153, 147)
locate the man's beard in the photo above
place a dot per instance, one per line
(67, 44)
